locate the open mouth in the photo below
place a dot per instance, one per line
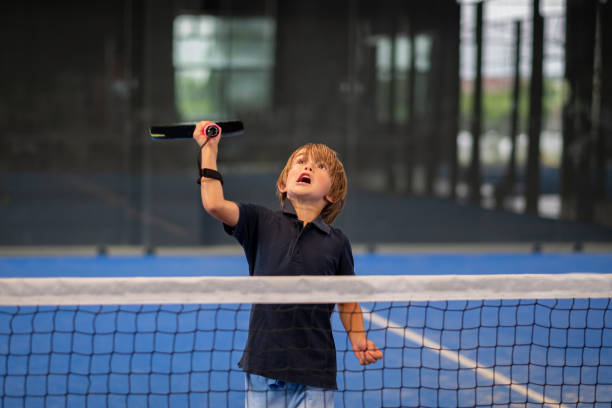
(304, 178)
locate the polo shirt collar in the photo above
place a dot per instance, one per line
(318, 222)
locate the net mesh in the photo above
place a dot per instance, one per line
(437, 353)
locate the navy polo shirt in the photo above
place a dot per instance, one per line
(291, 343)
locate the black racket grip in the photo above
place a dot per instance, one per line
(185, 131)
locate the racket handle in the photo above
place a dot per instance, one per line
(211, 130)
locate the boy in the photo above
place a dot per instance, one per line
(290, 356)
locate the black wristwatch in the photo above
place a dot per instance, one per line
(210, 173)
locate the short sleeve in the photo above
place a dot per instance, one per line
(246, 230)
(246, 227)
(346, 265)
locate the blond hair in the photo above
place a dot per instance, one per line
(337, 192)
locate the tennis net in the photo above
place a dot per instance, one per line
(448, 341)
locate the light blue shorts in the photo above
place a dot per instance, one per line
(262, 392)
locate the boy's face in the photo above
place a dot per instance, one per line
(307, 180)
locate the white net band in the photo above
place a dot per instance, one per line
(299, 289)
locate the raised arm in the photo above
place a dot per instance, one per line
(211, 189)
(365, 350)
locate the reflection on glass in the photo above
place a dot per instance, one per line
(222, 65)
(392, 75)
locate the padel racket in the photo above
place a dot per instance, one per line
(185, 131)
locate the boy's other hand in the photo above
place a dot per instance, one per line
(366, 351)
(200, 136)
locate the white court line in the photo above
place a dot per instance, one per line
(455, 356)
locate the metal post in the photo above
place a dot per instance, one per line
(597, 136)
(454, 95)
(510, 178)
(410, 139)
(391, 128)
(532, 191)
(474, 171)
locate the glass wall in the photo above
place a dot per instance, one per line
(501, 21)
(389, 85)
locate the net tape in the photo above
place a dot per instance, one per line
(299, 289)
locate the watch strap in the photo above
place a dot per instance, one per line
(210, 173)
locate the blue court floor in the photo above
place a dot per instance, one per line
(367, 264)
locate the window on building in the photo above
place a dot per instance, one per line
(392, 75)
